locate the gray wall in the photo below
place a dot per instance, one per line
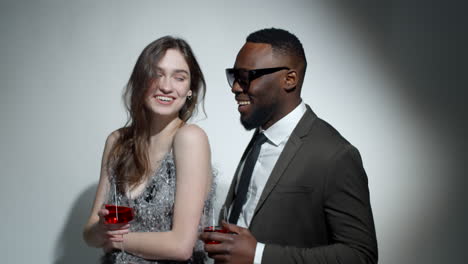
(388, 76)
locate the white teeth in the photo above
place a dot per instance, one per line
(164, 98)
(243, 102)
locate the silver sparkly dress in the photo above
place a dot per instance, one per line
(154, 210)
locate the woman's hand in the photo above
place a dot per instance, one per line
(111, 234)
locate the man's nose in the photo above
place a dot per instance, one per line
(236, 87)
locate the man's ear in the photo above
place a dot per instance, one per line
(290, 80)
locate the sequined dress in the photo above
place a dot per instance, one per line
(154, 210)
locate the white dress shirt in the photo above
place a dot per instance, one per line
(277, 135)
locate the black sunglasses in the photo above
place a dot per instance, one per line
(244, 77)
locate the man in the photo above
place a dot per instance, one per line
(300, 192)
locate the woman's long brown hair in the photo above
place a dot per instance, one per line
(128, 159)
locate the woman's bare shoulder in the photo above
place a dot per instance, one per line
(190, 132)
(113, 137)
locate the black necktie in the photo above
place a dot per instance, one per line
(246, 175)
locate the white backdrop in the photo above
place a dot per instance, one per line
(64, 65)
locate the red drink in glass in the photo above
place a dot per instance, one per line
(218, 229)
(118, 214)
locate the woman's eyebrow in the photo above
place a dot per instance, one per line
(175, 70)
(181, 71)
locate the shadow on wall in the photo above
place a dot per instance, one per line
(70, 247)
(422, 43)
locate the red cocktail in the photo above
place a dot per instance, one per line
(218, 229)
(118, 214)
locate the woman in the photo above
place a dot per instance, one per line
(140, 162)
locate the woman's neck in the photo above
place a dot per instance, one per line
(162, 130)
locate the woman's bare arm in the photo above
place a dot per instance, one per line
(193, 181)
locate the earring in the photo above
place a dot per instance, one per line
(189, 96)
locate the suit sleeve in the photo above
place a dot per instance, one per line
(349, 218)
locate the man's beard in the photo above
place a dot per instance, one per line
(258, 118)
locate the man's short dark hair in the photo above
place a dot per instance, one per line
(281, 41)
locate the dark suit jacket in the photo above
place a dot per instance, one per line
(315, 206)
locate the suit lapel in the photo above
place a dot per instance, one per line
(290, 149)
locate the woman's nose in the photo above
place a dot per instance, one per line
(165, 84)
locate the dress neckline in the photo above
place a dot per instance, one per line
(144, 187)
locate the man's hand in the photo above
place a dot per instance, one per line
(237, 246)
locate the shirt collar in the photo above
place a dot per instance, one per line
(280, 131)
